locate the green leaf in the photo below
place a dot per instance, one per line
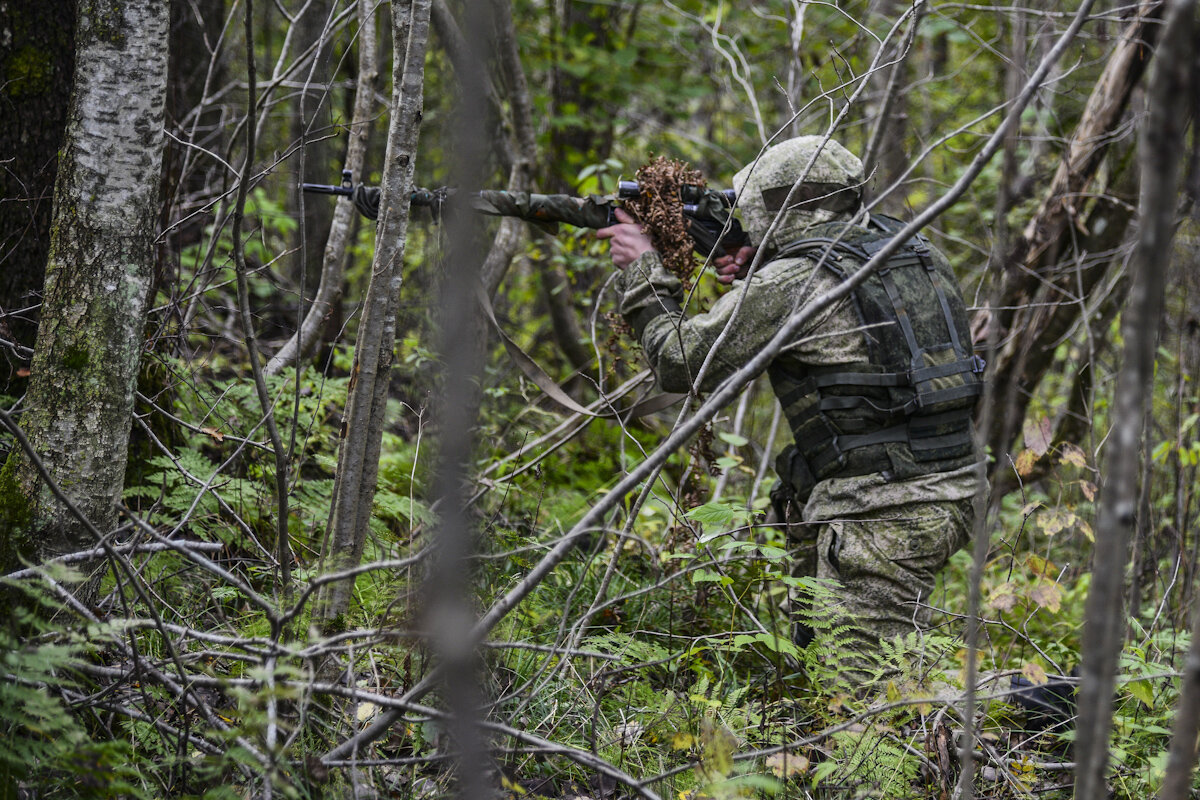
(734, 440)
(824, 770)
(1143, 691)
(718, 513)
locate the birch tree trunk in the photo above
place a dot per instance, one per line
(362, 428)
(1161, 156)
(98, 276)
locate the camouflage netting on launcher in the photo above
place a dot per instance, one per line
(660, 209)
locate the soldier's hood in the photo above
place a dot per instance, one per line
(805, 181)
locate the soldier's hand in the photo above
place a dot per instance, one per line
(733, 266)
(628, 240)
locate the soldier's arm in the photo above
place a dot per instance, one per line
(677, 345)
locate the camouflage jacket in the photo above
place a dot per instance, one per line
(677, 345)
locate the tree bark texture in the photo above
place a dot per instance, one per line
(1181, 760)
(36, 67)
(195, 63)
(80, 398)
(362, 427)
(884, 157)
(1161, 155)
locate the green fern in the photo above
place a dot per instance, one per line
(628, 649)
(40, 739)
(870, 763)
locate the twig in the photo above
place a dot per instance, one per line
(125, 549)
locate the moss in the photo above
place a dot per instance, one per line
(107, 23)
(28, 72)
(76, 357)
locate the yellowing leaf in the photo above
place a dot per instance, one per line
(785, 764)
(1025, 463)
(1089, 490)
(1056, 522)
(1043, 568)
(1034, 673)
(1086, 530)
(1038, 435)
(1003, 597)
(837, 704)
(1047, 595)
(718, 744)
(682, 740)
(214, 433)
(1028, 509)
(1073, 454)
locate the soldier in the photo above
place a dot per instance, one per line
(877, 491)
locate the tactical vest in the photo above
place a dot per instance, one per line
(905, 413)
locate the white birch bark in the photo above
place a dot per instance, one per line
(106, 203)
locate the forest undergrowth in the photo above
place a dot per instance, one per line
(656, 660)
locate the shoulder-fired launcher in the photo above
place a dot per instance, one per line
(707, 212)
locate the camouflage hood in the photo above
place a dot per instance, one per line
(830, 190)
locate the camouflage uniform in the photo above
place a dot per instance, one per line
(883, 533)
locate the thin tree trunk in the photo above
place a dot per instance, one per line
(523, 148)
(98, 276)
(449, 593)
(518, 148)
(333, 264)
(362, 427)
(1161, 156)
(569, 335)
(282, 544)
(884, 157)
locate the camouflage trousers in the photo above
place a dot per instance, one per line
(882, 567)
